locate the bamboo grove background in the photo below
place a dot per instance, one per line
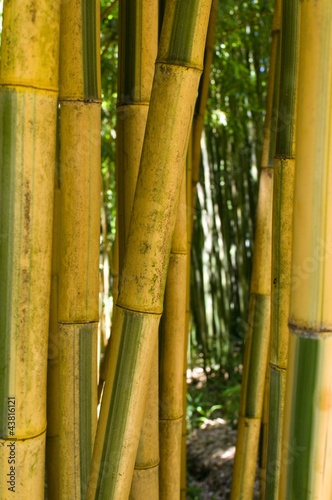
(226, 149)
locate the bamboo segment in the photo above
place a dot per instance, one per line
(152, 223)
(28, 101)
(307, 445)
(145, 481)
(80, 191)
(282, 239)
(77, 376)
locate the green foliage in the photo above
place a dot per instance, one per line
(225, 214)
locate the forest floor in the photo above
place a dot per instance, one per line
(211, 439)
(210, 458)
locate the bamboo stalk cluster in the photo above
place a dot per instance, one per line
(54, 258)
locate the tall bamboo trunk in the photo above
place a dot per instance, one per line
(284, 167)
(258, 332)
(306, 445)
(75, 378)
(142, 283)
(28, 106)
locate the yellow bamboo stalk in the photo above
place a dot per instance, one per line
(78, 248)
(258, 332)
(189, 190)
(142, 283)
(306, 444)
(28, 103)
(172, 340)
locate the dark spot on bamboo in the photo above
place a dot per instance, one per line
(145, 247)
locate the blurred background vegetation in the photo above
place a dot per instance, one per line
(224, 216)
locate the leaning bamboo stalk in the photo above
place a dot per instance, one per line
(78, 283)
(138, 41)
(142, 283)
(306, 446)
(172, 341)
(138, 45)
(284, 167)
(28, 105)
(258, 330)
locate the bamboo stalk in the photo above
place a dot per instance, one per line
(142, 283)
(258, 331)
(138, 42)
(28, 103)
(284, 168)
(172, 343)
(183, 479)
(78, 248)
(306, 445)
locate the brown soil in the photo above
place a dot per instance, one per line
(210, 457)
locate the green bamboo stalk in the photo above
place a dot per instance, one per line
(306, 445)
(258, 331)
(284, 168)
(28, 103)
(78, 248)
(142, 283)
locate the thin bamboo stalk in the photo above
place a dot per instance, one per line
(198, 121)
(258, 331)
(78, 246)
(28, 104)
(284, 168)
(142, 283)
(306, 444)
(172, 340)
(183, 479)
